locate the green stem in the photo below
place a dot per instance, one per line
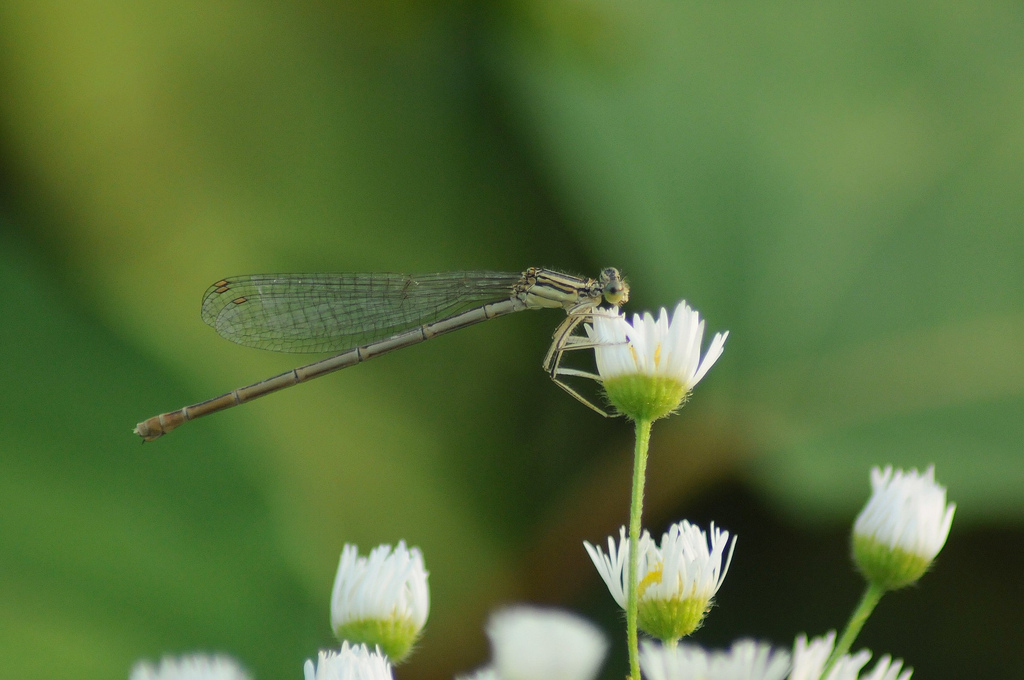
(643, 438)
(871, 596)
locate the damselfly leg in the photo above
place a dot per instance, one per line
(565, 339)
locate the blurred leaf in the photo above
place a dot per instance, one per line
(812, 180)
(112, 550)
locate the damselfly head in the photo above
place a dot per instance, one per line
(614, 287)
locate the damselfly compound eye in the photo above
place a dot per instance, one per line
(615, 289)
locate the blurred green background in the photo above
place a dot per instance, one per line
(840, 187)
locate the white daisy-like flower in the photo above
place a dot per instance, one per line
(382, 599)
(902, 528)
(351, 662)
(676, 581)
(745, 660)
(682, 662)
(530, 643)
(649, 367)
(614, 567)
(810, 657)
(887, 668)
(190, 667)
(848, 667)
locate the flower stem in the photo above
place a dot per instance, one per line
(871, 596)
(643, 438)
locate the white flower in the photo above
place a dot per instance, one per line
(848, 668)
(529, 643)
(649, 367)
(745, 660)
(888, 668)
(351, 662)
(191, 667)
(809, 658)
(902, 528)
(614, 567)
(675, 582)
(664, 347)
(382, 599)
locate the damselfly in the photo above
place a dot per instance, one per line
(365, 315)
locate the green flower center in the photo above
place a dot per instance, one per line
(645, 397)
(668, 619)
(888, 567)
(396, 636)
